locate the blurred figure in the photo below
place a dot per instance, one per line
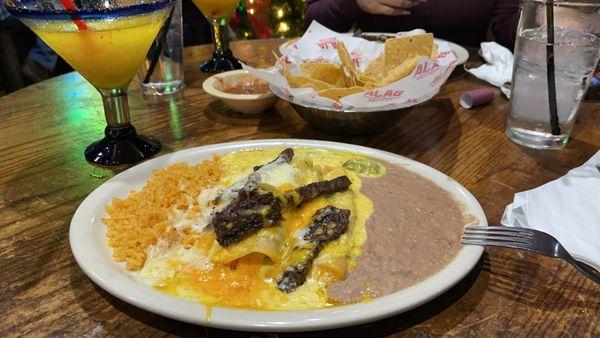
(24, 58)
(13, 42)
(196, 29)
(40, 62)
(462, 21)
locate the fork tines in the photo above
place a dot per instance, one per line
(498, 236)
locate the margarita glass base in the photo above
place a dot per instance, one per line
(121, 146)
(221, 62)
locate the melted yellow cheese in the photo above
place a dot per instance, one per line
(266, 241)
(242, 275)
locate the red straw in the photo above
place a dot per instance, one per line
(70, 6)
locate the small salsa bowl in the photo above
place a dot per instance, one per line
(243, 103)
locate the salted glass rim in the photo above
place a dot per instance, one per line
(13, 7)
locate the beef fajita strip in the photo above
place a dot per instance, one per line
(249, 205)
(285, 156)
(252, 181)
(254, 208)
(249, 212)
(295, 197)
(327, 224)
(244, 208)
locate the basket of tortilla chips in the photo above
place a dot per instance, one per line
(342, 79)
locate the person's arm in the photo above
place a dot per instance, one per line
(338, 15)
(504, 22)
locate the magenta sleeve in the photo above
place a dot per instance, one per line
(338, 15)
(504, 22)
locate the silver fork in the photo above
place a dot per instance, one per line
(525, 239)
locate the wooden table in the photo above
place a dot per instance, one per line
(43, 178)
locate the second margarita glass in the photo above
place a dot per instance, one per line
(218, 12)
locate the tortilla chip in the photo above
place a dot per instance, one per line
(337, 93)
(324, 71)
(299, 81)
(434, 51)
(348, 64)
(375, 69)
(403, 70)
(373, 85)
(402, 48)
(370, 82)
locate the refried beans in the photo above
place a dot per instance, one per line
(414, 232)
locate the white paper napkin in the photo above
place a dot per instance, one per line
(499, 66)
(567, 208)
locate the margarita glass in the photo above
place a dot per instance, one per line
(218, 12)
(106, 43)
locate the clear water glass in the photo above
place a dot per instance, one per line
(166, 76)
(576, 53)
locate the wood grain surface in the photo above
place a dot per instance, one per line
(43, 178)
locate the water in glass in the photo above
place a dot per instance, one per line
(576, 56)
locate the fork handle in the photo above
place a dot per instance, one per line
(585, 269)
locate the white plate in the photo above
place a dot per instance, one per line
(87, 239)
(461, 53)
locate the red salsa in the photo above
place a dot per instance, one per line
(250, 86)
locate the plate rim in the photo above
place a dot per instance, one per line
(256, 320)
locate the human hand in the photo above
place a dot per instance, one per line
(388, 7)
